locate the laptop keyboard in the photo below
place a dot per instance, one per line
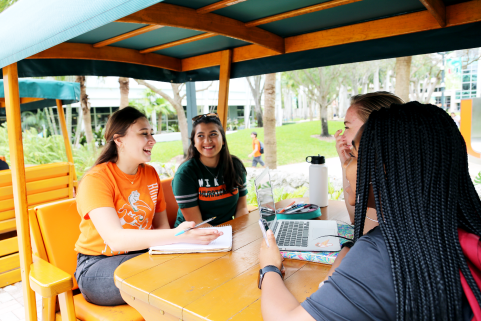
(293, 233)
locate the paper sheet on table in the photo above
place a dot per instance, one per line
(221, 244)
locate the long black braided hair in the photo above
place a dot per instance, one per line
(416, 159)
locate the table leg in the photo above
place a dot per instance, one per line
(148, 312)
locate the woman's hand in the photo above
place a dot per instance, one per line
(341, 147)
(270, 255)
(197, 235)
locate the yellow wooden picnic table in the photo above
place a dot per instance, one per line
(215, 286)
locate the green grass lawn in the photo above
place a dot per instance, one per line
(294, 143)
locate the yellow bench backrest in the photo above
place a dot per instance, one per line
(45, 184)
(55, 229)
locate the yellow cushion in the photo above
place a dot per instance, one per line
(172, 206)
(90, 312)
(59, 224)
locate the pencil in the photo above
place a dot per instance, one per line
(190, 228)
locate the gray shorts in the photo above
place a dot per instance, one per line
(95, 277)
(257, 160)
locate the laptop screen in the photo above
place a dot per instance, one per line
(265, 195)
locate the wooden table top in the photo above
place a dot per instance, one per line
(214, 286)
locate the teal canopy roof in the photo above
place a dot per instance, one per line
(30, 26)
(79, 26)
(48, 90)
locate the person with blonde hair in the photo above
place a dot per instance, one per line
(356, 115)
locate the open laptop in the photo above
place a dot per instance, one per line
(293, 235)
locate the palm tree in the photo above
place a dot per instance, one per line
(4, 4)
(153, 104)
(161, 107)
(36, 120)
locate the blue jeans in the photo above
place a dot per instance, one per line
(95, 277)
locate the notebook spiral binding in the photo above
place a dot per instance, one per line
(222, 225)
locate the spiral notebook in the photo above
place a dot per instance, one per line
(221, 244)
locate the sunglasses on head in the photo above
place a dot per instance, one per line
(208, 116)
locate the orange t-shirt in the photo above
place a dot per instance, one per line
(106, 186)
(254, 143)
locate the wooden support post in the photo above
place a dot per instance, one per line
(66, 140)
(224, 79)
(17, 165)
(467, 123)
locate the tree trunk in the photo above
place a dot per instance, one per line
(78, 131)
(343, 101)
(376, 78)
(68, 115)
(124, 92)
(323, 116)
(257, 94)
(311, 112)
(84, 103)
(54, 123)
(184, 134)
(176, 101)
(403, 77)
(49, 120)
(270, 143)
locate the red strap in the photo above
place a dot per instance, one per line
(471, 247)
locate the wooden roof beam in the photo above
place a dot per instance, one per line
(178, 42)
(437, 9)
(218, 5)
(23, 100)
(84, 51)
(126, 35)
(457, 14)
(299, 12)
(181, 17)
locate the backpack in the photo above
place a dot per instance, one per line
(262, 147)
(471, 247)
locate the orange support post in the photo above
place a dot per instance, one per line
(17, 165)
(224, 79)
(466, 125)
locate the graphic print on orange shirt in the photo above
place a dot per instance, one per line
(132, 215)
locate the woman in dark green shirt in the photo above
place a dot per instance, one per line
(210, 182)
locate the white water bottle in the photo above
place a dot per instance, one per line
(318, 181)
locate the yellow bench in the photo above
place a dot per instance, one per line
(45, 183)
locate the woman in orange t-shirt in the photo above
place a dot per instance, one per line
(122, 207)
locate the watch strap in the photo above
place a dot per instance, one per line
(268, 268)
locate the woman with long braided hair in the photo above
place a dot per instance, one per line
(411, 166)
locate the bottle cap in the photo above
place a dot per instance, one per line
(316, 159)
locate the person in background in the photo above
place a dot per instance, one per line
(3, 165)
(210, 182)
(122, 207)
(408, 267)
(456, 118)
(256, 153)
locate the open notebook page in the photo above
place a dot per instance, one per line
(221, 244)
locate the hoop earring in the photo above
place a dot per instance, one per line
(358, 198)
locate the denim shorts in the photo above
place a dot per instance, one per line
(95, 277)
(257, 160)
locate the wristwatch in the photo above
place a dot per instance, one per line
(267, 268)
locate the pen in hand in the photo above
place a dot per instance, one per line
(190, 228)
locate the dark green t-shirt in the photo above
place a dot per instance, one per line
(197, 185)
